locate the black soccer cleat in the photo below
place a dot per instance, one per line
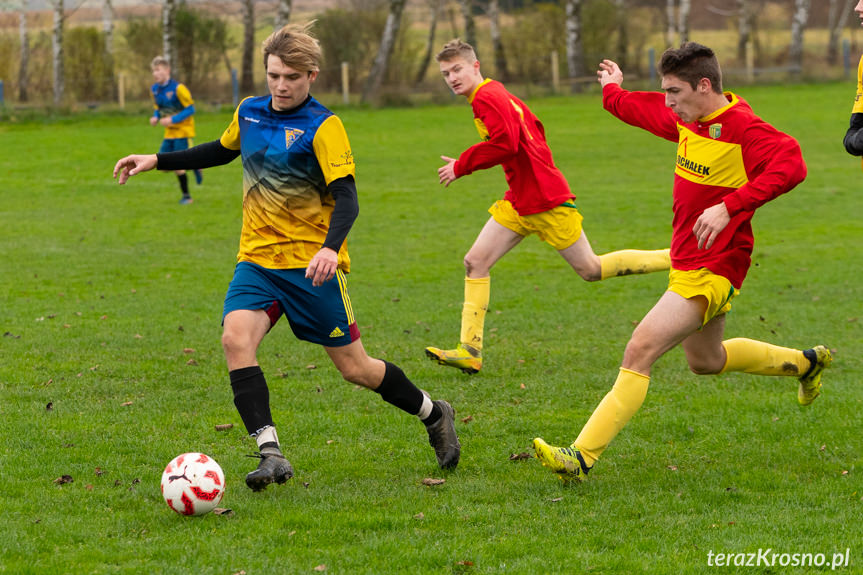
(443, 438)
(273, 468)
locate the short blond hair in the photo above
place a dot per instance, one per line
(456, 49)
(160, 61)
(295, 47)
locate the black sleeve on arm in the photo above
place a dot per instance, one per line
(202, 156)
(854, 136)
(344, 192)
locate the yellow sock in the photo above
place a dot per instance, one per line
(476, 295)
(751, 356)
(626, 262)
(613, 412)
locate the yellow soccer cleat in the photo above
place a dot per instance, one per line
(565, 461)
(460, 358)
(810, 384)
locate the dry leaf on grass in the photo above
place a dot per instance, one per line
(433, 481)
(224, 426)
(519, 456)
(64, 479)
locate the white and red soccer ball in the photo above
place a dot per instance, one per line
(193, 484)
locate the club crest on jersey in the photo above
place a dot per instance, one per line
(715, 130)
(291, 136)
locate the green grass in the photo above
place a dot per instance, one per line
(107, 293)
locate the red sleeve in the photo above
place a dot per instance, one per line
(645, 110)
(774, 165)
(503, 126)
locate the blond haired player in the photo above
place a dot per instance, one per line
(538, 201)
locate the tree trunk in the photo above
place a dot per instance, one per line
(622, 33)
(837, 18)
(108, 30)
(388, 40)
(247, 81)
(683, 20)
(435, 6)
(169, 48)
(57, 51)
(671, 24)
(283, 14)
(500, 67)
(469, 24)
(798, 26)
(744, 27)
(574, 43)
(24, 66)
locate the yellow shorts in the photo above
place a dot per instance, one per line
(560, 226)
(702, 282)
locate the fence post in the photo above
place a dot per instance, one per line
(555, 73)
(121, 90)
(235, 88)
(1, 93)
(346, 88)
(651, 65)
(846, 56)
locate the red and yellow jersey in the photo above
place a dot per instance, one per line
(514, 138)
(173, 100)
(289, 159)
(730, 156)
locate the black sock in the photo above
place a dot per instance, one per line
(397, 389)
(184, 184)
(251, 397)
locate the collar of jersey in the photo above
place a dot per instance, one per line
(287, 112)
(475, 90)
(732, 100)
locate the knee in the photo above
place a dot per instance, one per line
(474, 266)
(234, 342)
(704, 366)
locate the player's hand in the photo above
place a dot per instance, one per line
(323, 266)
(166, 121)
(154, 120)
(446, 173)
(709, 224)
(609, 73)
(131, 165)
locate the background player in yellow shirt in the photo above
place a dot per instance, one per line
(174, 109)
(854, 135)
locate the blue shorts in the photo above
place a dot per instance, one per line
(320, 314)
(173, 145)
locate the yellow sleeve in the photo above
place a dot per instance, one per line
(333, 150)
(858, 100)
(184, 95)
(231, 137)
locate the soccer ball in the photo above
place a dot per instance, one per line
(193, 484)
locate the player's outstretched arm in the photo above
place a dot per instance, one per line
(446, 173)
(609, 73)
(134, 164)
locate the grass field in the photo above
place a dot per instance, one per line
(110, 365)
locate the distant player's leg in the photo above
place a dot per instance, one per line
(391, 383)
(671, 320)
(758, 357)
(179, 144)
(628, 262)
(243, 332)
(493, 242)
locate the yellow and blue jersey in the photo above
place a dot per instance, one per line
(289, 159)
(174, 100)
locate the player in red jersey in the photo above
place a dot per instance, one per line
(539, 200)
(729, 163)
